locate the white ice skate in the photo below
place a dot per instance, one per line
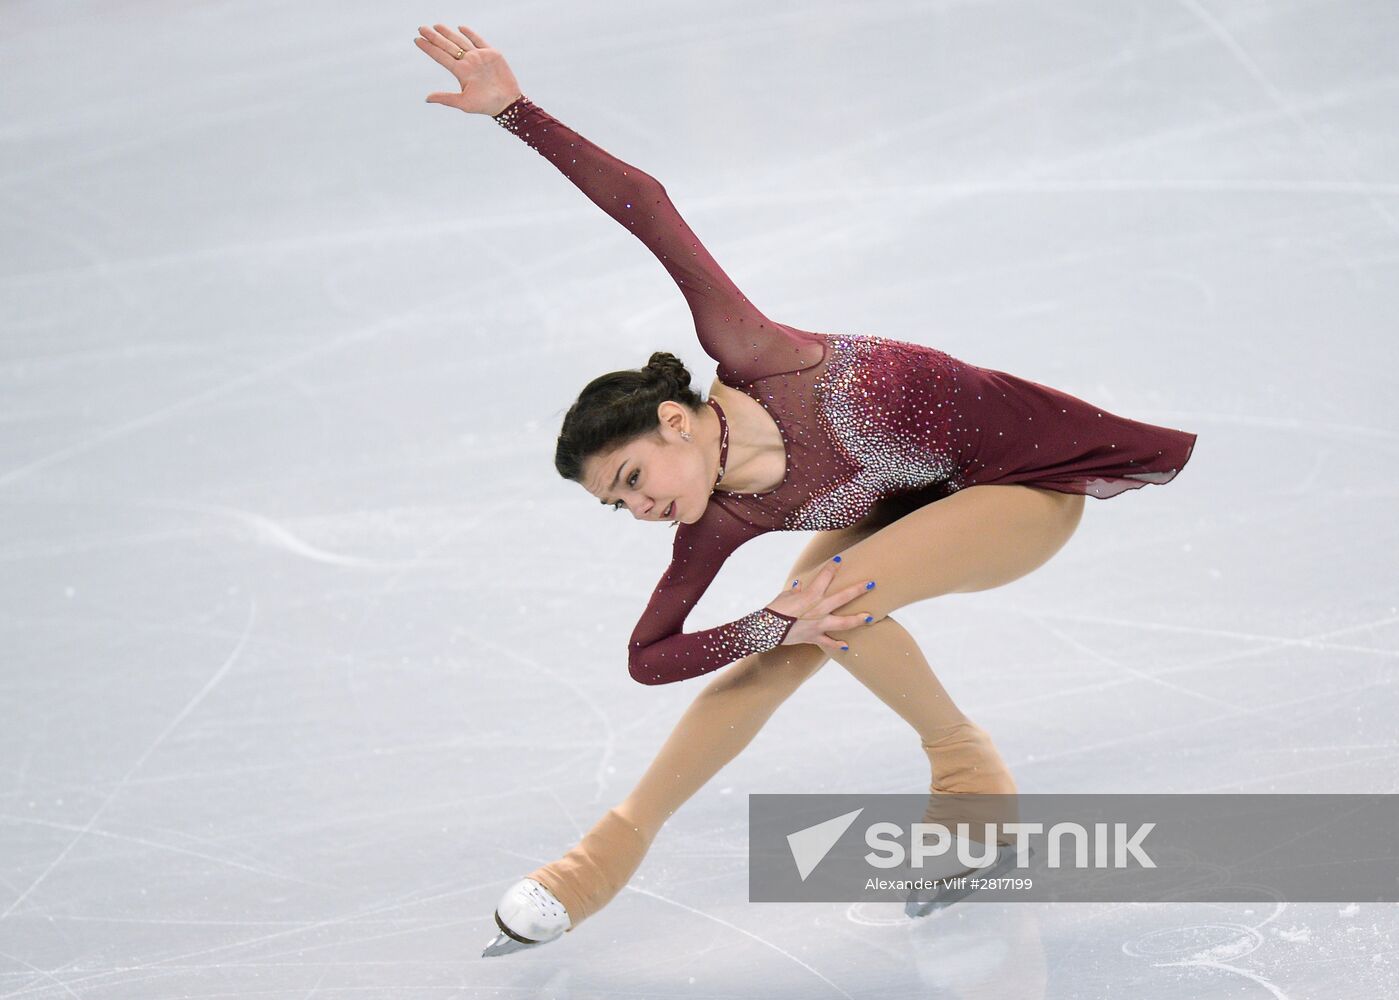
(922, 902)
(528, 915)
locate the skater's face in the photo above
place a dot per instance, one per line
(659, 476)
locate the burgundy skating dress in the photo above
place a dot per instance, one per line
(862, 417)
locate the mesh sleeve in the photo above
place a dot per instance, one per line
(659, 652)
(745, 343)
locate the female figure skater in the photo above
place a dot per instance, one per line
(921, 474)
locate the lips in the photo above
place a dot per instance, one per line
(669, 510)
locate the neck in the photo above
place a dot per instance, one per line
(738, 468)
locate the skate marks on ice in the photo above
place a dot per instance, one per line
(283, 689)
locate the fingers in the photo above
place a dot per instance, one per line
(840, 623)
(443, 44)
(814, 590)
(817, 585)
(821, 602)
(841, 598)
(823, 578)
(436, 51)
(431, 35)
(853, 591)
(475, 39)
(847, 623)
(455, 38)
(829, 571)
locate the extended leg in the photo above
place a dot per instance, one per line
(722, 720)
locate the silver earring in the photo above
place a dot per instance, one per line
(685, 435)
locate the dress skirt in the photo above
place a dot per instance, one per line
(1033, 434)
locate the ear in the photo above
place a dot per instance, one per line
(673, 415)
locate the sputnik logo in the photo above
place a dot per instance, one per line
(810, 846)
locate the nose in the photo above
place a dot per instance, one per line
(649, 515)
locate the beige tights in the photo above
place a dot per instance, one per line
(977, 538)
(726, 716)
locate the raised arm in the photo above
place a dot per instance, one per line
(745, 343)
(732, 331)
(659, 652)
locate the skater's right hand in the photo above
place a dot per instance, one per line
(812, 606)
(487, 85)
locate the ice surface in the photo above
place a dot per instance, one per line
(307, 651)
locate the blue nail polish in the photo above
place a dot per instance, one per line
(845, 648)
(870, 585)
(868, 619)
(836, 559)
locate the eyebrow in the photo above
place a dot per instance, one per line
(614, 480)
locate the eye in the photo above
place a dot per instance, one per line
(631, 481)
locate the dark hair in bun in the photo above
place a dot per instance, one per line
(617, 407)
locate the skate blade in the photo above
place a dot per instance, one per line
(505, 942)
(923, 902)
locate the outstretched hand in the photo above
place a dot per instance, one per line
(812, 606)
(487, 85)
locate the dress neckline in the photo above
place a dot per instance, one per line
(724, 450)
(723, 438)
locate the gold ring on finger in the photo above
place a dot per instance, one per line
(459, 54)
